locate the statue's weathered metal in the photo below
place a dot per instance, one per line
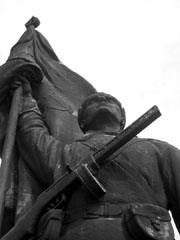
(141, 179)
(32, 55)
(55, 197)
(132, 178)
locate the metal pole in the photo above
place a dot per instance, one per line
(7, 149)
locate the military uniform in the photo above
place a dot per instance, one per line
(87, 217)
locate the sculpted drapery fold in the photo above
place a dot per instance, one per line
(59, 94)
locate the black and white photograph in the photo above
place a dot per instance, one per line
(90, 120)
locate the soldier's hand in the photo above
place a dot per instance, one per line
(22, 81)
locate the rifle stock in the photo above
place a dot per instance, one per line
(25, 227)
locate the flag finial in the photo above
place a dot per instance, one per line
(34, 21)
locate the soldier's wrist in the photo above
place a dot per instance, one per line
(28, 104)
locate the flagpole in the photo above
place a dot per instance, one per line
(10, 138)
(8, 149)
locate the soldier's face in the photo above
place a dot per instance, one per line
(102, 107)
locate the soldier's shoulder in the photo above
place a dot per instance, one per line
(160, 144)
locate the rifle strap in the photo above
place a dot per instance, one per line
(132, 170)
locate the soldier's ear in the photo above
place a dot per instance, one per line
(122, 124)
(123, 121)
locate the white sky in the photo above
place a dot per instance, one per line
(130, 49)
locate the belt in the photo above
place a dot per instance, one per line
(95, 211)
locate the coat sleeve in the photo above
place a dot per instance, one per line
(41, 151)
(170, 170)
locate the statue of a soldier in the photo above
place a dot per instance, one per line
(142, 179)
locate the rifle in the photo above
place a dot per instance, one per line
(83, 173)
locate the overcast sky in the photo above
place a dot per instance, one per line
(130, 49)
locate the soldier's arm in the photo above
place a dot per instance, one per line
(38, 148)
(170, 170)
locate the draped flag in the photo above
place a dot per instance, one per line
(59, 94)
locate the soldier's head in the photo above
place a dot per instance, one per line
(101, 110)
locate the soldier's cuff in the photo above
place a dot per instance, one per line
(29, 105)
